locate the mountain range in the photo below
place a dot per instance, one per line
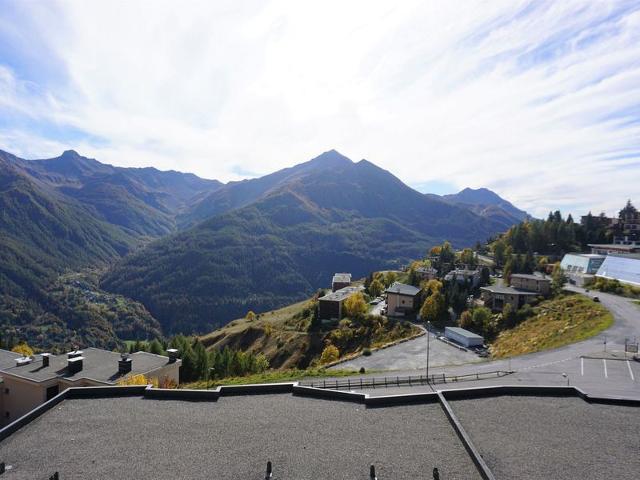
(197, 253)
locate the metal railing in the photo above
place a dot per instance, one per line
(397, 381)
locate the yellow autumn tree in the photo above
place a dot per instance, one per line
(329, 354)
(355, 306)
(139, 379)
(23, 349)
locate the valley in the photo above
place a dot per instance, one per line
(189, 255)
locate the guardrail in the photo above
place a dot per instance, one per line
(410, 380)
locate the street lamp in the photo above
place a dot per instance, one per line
(567, 377)
(428, 335)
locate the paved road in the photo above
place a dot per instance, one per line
(611, 375)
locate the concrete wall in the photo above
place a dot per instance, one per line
(171, 371)
(328, 309)
(497, 301)
(541, 286)
(22, 397)
(397, 305)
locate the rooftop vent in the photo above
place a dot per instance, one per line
(23, 361)
(173, 354)
(74, 354)
(124, 364)
(45, 359)
(74, 365)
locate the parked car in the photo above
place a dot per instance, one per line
(596, 299)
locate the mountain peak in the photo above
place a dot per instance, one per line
(70, 154)
(332, 157)
(484, 197)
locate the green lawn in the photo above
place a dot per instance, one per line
(556, 322)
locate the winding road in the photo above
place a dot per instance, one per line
(591, 364)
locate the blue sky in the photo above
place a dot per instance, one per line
(539, 101)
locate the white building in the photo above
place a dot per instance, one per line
(463, 337)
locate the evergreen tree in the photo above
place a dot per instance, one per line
(558, 279)
(188, 370)
(156, 347)
(201, 361)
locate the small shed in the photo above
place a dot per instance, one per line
(463, 337)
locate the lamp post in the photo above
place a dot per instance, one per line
(428, 335)
(567, 377)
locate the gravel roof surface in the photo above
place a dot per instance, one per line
(233, 438)
(553, 438)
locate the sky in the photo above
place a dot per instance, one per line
(538, 101)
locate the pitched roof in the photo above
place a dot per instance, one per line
(403, 289)
(623, 268)
(99, 365)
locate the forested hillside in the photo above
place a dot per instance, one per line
(553, 236)
(69, 214)
(332, 215)
(255, 244)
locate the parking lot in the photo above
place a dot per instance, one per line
(413, 355)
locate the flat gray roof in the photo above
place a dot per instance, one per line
(98, 364)
(342, 277)
(341, 294)
(506, 290)
(233, 438)
(463, 332)
(530, 277)
(614, 246)
(553, 438)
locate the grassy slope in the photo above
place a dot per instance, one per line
(271, 376)
(282, 336)
(556, 322)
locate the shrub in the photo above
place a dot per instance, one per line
(138, 380)
(329, 354)
(366, 352)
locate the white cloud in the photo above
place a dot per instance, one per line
(540, 101)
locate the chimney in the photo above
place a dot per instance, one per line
(173, 354)
(45, 359)
(124, 364)
(74, 354)
(23, 361)
(74, 365)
